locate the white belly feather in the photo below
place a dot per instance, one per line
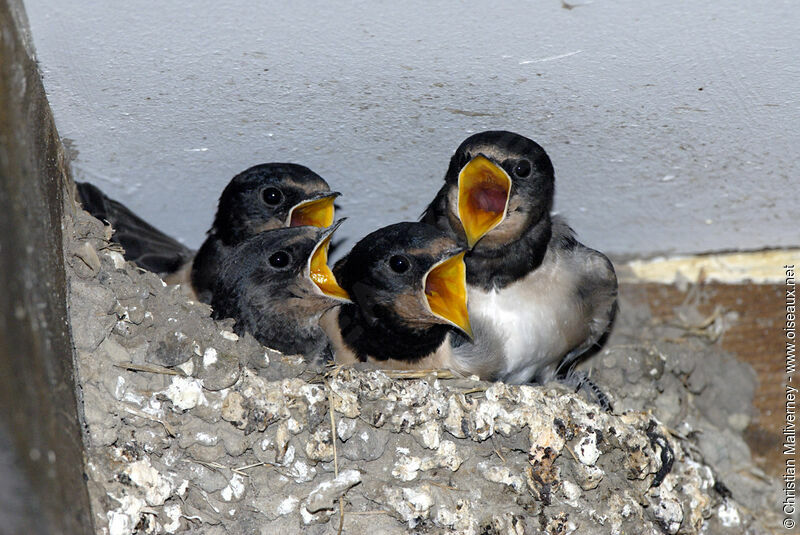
(537, 319)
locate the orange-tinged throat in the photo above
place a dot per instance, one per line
(484, 189)
(322, 275)
(446, 292)
(314, 213)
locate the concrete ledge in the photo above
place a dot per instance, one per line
(759, 267)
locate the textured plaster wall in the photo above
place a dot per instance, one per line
(673, 126)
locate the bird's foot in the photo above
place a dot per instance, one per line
(581, 382)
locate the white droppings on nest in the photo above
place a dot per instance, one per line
(626, 511)
(404, 420)
(187, 367)
(185, 393)
(157, 488)
(345, 401)
(447, 456)
(136, 399)
(173, 512)
(326, 494)
(419, 498)
(704, 475)
(454, 423)
(571, 492)
(234, 490)
(282, 446)
(616, 505)
(587, 451)
(288, 457)
(345, 428)
(501, 474)
(288, 505)
(314, 518)
(301, 472)
(430, 433)
(411, 504)
(698, 479)
(410, 394)
(313, 394)
(729, 515)
(119, 390)
(294, 426)
(209, 357)
(206, 439)
(589, 477)
(491, 417)
(320, 445)
(231, 409)
(117, 259)
(406, 468)
(667, 508)
(445, 516)
(123, 519)
(459, 518)
(228, 335)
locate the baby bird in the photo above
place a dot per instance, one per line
(545, 295)
(277, 285)
(263, 197)
(407, 283)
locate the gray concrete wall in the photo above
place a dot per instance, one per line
(42, 490)
(673, 126)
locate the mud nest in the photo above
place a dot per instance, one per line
(190, 428)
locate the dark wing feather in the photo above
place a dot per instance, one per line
(144, 245)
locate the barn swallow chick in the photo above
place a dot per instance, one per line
(407, 283)
(276, 285)
(530, 282)
(263, 197)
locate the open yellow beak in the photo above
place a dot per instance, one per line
(483, 192)
(321, 274)
(446, 291)
(313, 212)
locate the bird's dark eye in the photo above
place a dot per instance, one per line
(522, 169)
(280, 259)
(272, 196)
(399, 264)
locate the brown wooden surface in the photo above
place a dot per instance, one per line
(42, 474)
(756, 338)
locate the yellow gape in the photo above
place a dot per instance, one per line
(483, 192)
(321, 274)
(446, 291)
(314, 213)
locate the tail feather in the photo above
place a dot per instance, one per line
(144, 245)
